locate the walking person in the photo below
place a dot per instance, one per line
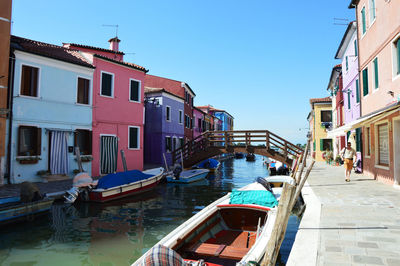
(347, 154)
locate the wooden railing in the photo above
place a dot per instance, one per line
(226, 141)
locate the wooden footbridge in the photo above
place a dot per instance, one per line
(212, 143)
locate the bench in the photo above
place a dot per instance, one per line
(206, 249)
(233, 253)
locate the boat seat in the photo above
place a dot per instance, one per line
(233, 253)
(206, 249)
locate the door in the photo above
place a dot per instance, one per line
(58, 141)
(396, 153)
(108, 154)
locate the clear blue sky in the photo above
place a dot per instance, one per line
(260, 60)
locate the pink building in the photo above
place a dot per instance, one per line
(198, 121)
(118, 109)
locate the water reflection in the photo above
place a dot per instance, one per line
(119, 232)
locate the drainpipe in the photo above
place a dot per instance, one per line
(10, 108)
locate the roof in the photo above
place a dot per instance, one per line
(336, 70)
(351, 28)
(49, 50)
(320, 100)
(115, 39)
(162, 90)
(94, 48)
(353, 3)
(127, 64)
(211, 108)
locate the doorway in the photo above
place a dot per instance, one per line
(108, 154)
(396, 151)
(58, 152)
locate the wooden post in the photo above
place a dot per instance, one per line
(267, 140)
(226, 140)
(182, 161)
(78, 158)
(282, 216)
(165, 161)
(124, 160)
(303, 163)
(301, 185)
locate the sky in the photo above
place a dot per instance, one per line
(260, 60)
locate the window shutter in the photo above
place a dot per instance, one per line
(348, 100)
(364, 28)
(365, 82)
(398, 56)
(19, 140)
(38, 141)
(383, 144)
(376, 73)
(347, 63)
(355, 48)
(358, 139)
(321, 144)
(358, 90)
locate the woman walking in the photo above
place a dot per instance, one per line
(347, 154)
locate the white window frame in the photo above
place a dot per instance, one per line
(90, 90)
(180, 117)
(168, 119)
(38, 85)
(366, 22)
(112, 84)
(374, 75)
(138, 138)
(368, 142)
(395, 64)
(371, 20)
(139, 92)
(166, 150)
(377, 165)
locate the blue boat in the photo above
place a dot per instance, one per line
(12, 209)
(188, 176)
(210, 164)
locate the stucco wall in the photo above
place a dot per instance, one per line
(320, 133)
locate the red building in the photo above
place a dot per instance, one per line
(180, 89)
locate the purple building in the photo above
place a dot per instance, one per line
(164, 125)
(348, 53)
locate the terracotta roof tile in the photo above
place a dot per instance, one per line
(49, 50)
(122, 63)
(95, 48)
(320, 100)
(154, 90)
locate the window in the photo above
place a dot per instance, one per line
(181, 142)
(29, 141)
(348, 99)
(174, 143)
(83, 91)
(357, 91)
(365, 81)
(372, 11)
(364, 23)
(199, 125)
(326, 116)
(358, 139)
(168, 113)
(376, 76)
(29, 81)
(168, 144)
(134, 92)
(396, 57)
(83, 140)
(325, 144)
(347, 63)
(368, 141)
(107, 84)
(180, 116)
(355, 48)
(383, 144)
(134, 140)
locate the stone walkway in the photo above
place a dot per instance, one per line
(13, 190)
(359, 221)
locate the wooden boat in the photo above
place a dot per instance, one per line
(239, 155)
(103, 194)
(250, 157)
(224, 233)
(210, 164)
(12, 209)
(188, 176)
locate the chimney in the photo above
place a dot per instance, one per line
(114, 44)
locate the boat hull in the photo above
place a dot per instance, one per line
(197, 176)
(11, 210)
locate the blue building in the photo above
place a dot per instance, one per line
(51, 111)
(224, 116)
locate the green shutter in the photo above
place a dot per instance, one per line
(364, 28)
(321, 144)
(347, 63)
(358, 139)
(365, 82)
(376, 73)
(355, 48)
(358, 90)
(348, 99)
(314, 146)
(398, 56)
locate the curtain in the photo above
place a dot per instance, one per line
(59, 153)
(109, 154)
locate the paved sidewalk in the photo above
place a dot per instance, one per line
(49, 187)
(359, 221)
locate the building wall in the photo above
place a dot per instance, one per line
(113, 116)
(197, 130)
(320, 132)
(5, 27)
(378, 42)
(55, 109)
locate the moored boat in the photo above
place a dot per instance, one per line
(239, 155)
(233, 229)
(210, 164)
(188, 176)
(250, 157)
(116, 186)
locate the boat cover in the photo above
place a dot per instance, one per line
(258, 197)
(209, 164)
(121, 178)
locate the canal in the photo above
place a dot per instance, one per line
(119, 232)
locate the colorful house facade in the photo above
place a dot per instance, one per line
(198, 122)
(118, 113)
(321, 116)
(378, 35)
(226, 120)
(164, 125)
(180, 89)
(48, 118)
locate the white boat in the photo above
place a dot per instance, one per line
(224, 233)
(188, 176)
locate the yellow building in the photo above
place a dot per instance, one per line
(320, 119)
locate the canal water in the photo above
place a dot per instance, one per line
(119, 232)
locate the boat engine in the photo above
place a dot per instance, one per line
(177, 170)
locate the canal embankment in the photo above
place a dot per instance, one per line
(347, 223)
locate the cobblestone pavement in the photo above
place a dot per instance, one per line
(360, 220)
(48, 187)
